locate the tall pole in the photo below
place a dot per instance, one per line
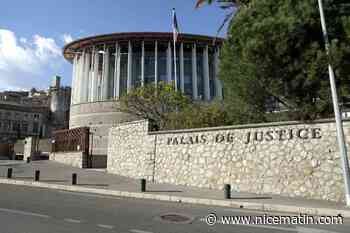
(338, 120)
(175, 65)
(174, 40)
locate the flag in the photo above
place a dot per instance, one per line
(176, 30)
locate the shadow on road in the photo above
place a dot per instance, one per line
(103, 185)
(55, 181)
(163, 191)
(240, 198)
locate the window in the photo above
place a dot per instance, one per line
(35, 127)
(15, 126)
(24, 127)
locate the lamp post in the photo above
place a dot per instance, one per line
(338, 120)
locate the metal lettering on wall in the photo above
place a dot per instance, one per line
(249, 137)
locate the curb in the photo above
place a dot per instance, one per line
(189, 200)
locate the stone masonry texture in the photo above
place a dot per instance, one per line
(289, 159)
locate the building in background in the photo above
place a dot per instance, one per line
(107, 66)
(33, 113)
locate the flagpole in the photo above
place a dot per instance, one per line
(175, 72)
(338, 120)
(175, 65)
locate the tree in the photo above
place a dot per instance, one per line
(154, 103)
(275, 49)
(199, 115)
(230, 5)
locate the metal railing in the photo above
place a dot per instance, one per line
(71, 140)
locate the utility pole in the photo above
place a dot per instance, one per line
(338, 120)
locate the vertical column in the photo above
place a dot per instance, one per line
(95, 78)
(206, 73)
(81, 78)
(156, 64)
(194, 72)
(218, 85)
(129, 77)
(118, 72)
(182, 71)
(75, 59)
(105, 77)
(77, 80)
(86, 77)
(91, 76)
(168, 63)
(115, 81)
(143, 64)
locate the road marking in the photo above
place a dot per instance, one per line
(72, 220)
(24, 213)
(139, 231)
(88, 194)
(105, 226)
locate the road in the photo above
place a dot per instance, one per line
(34, 210)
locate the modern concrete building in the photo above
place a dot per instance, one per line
(107, 66)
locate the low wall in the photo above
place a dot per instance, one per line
(75, 159)
(289, 159)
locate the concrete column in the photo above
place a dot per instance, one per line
(182, 70)
(156, 63)
(91, 76)
(95, 77)
(105, 77)
(129, 77)
(77, 80)
(169, 63)
(86, 80)
(218, 85)
(82, 77)
(118, 73)
(143, 64)
(206, 73)
(194, 73)
(115, 82)
(73, 79)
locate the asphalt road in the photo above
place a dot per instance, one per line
(33, 210)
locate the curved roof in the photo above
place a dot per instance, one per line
(69, 49)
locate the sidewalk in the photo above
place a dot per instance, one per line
(58, 176)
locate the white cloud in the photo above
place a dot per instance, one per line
(24, 64)
(67, 38)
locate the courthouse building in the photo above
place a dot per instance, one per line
(107, 66)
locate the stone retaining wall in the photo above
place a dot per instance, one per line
(289, 159)
(75, 159)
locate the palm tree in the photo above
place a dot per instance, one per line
(231, 5)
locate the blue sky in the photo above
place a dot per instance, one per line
(32, 33)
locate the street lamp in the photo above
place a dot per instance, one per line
(338, 120)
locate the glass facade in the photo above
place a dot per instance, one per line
(149, 65)
(162, 61)
(136, 65)
(111, 70)
(116, 82)
(123, 69)
(188, 69)
(200, 74)
(211, 74)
